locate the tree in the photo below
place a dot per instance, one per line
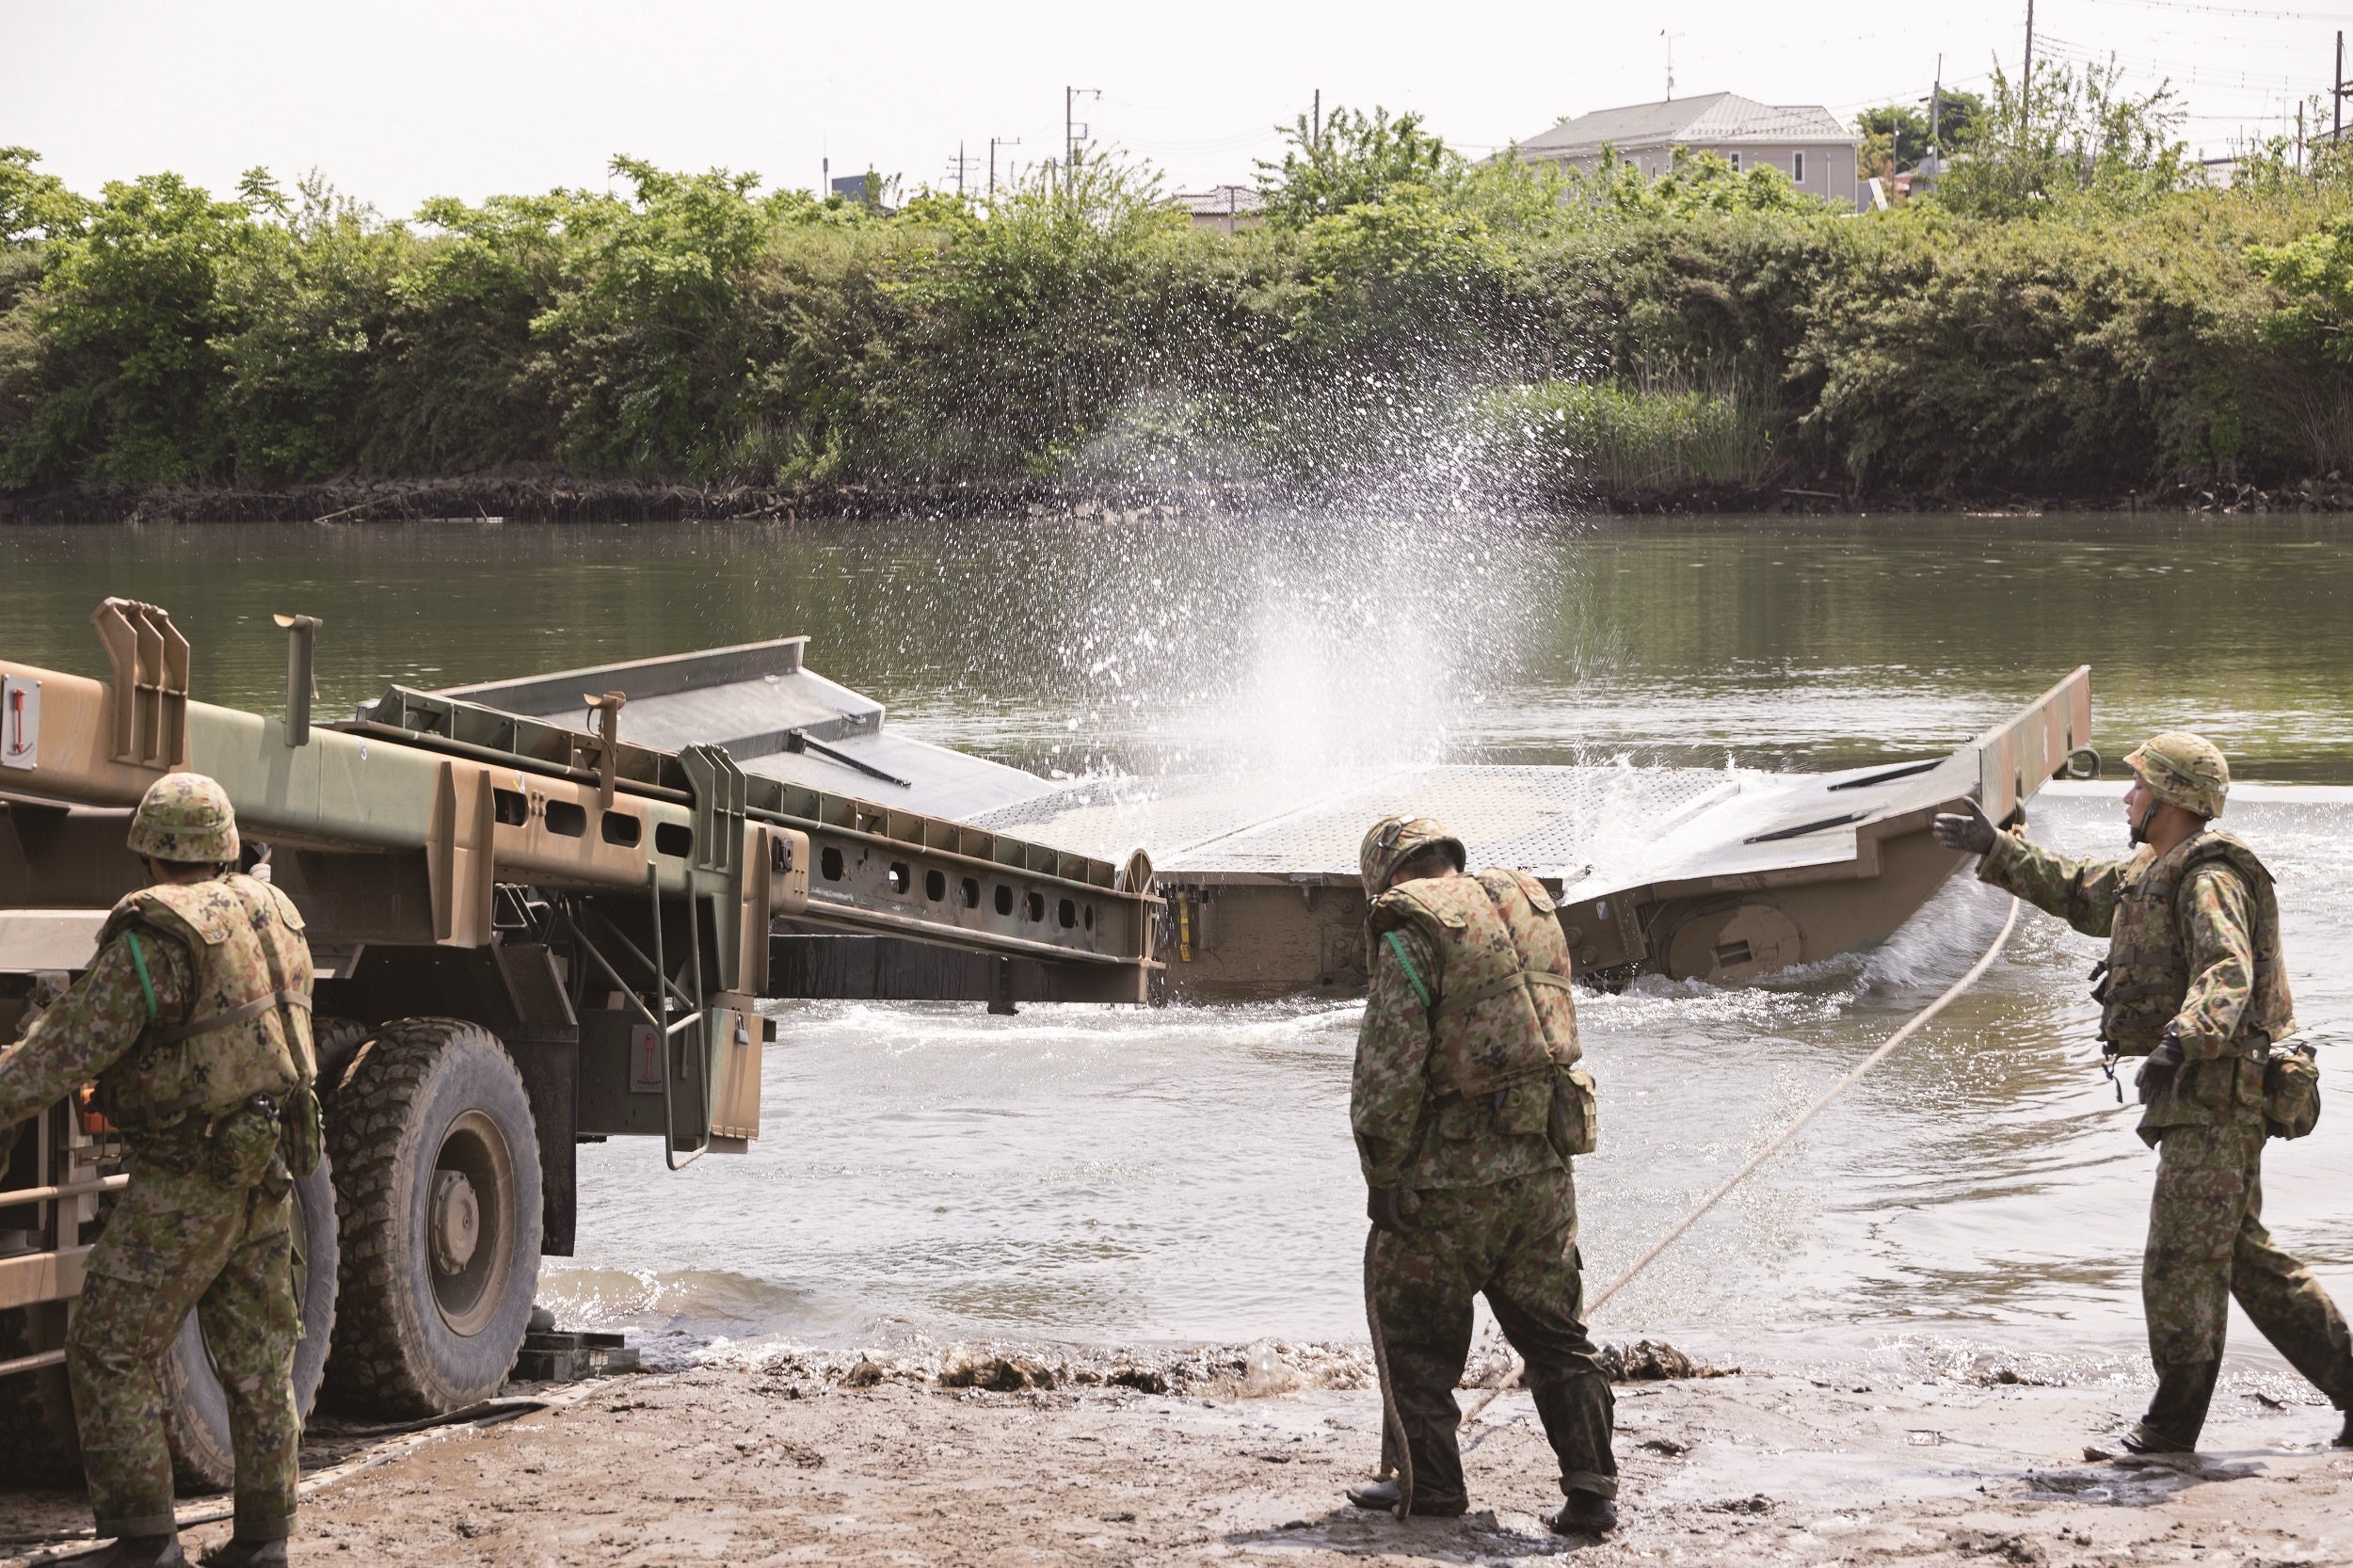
(649, 334)
(1893, 140)
(133, 317)
(34, 206)
(1356, 159)
(2315, 276)
(1897, 137)
(313, 291)
(2066, 133)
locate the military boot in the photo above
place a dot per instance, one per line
(140, 1551)
(2178, 1413)
(1384, 1494)
(1585, 1514)
(233, 1553)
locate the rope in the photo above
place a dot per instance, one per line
(1912, 1027)
(1392, 1420)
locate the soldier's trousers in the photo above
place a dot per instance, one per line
(1514, 1241)
(2208, 1243)
(175, 1242)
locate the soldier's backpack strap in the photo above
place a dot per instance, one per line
(253, 1009)
(1500, 985)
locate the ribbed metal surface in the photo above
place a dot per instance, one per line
(1554, 819)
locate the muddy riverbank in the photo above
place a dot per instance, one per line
(794, 1457)
(553, 498)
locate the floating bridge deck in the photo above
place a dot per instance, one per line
(1716, 874)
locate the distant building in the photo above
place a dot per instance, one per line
(1225, 208)
(1806, 142)
(870, 188)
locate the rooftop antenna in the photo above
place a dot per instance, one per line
(1670, 62)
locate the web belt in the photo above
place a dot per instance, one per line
(253, 1009)
(1497, 987)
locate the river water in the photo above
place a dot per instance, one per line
(1091, 1175)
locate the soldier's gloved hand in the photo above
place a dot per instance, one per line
(1969, 832)
(1389, 1207)
(2163, 1066)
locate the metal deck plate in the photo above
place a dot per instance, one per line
(1556, 820)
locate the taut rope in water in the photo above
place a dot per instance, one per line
(1912, 1027)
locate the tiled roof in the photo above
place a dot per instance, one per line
(1224, 199)
(1712, 119)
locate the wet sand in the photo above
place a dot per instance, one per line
(785, 1458)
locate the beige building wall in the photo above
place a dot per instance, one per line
(1829, 171)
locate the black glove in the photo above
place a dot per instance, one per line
(1389, 1207)
(2163, 1066)
(1971, 831)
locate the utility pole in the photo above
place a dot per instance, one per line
(1072, 132)
(1315, 135)
(2028, 99)
(1936, 102)
(824, 178)
(959, 169)
(2337, 136)
(994, 143)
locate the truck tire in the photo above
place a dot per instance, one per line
(197, 1427)
(39, 1446)
(437, 1183)
(333, 1043)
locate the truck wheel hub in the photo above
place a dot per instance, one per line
(456, 1221)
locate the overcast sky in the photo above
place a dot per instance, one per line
(432, 97)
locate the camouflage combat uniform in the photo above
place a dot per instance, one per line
(1468, 1029)
(2194, 943)
(206, 1223)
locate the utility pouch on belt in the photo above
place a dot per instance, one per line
(1574, 1129)
(301, 1132)
(245, 1141)
(2291, 1092)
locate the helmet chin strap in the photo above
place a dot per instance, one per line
(2140, 829)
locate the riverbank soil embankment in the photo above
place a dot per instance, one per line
(770, 1463)
(555, 499)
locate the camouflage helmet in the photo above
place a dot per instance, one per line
(1394, 840)
(2183, 770)
(186, 817)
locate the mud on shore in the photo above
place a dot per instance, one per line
(787, 1457)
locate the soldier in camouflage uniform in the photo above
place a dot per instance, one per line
(193, 1019)
(1467, 1104)
(2194, 983)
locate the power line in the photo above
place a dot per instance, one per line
(2229, 11)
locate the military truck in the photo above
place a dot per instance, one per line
(528, 935)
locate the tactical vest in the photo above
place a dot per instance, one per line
(2148, 976)
(247, 1030)
(1502, 1011)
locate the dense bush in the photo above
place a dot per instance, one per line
(2066, 314)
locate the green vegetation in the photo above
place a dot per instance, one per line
(2070, 312)
(1629, 441)
(1896, 137)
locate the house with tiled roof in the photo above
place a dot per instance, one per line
(1806, 142)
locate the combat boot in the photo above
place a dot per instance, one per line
(141, 1551)
(1585, 1514)
(235, 1553)
(2178, 1413)
(1384, 1494)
